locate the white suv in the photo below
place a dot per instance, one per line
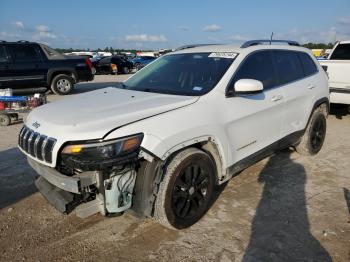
(160, 143)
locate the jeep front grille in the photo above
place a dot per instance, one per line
(35, 144)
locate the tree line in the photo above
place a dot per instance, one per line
(107, 49)
(117, 50)
(319, 45)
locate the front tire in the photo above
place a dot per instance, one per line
(315, 133)
(62, 84)
(186, 191)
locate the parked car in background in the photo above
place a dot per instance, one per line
(28, 65)
(337, 66)
(112, 65)
(161, 142)
(102, 54)
(141, 61)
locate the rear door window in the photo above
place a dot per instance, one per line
(3, 55)
(308, 64)
(258, 66)
(288, 66)
(24, 53)
(341, 52)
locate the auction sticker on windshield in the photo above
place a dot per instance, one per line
(223, 55)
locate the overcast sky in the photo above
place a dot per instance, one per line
(157, 24)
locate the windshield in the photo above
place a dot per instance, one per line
(191, 74)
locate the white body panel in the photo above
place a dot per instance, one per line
(299, 99)
(338, 72)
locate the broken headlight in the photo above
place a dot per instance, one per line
(104, 149)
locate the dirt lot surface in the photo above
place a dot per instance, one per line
(284, 208)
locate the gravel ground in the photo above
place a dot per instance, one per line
(284, 208)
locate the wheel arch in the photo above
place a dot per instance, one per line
(152, 169)
(317, 104)
(208, 144)
(58, 71)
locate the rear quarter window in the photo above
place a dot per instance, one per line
(308, 64)
(288, 66)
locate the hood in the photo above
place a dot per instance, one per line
(91, 115)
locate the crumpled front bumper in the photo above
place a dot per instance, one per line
(66, 183)
(64, 192)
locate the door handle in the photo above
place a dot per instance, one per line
(311, 86)
(276, 98)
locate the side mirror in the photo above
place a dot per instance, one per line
(248, 86)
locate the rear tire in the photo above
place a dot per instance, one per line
(186, 191)
(5, 120)
(315, 133)
(62, 84)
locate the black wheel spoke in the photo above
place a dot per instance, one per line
(180, 206)
(196, 171)
(194, 203)
(188, 176)
(198, 195)
(185, 209)
(202, 184)
(201, 179)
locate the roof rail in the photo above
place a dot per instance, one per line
(261, 42)
(191, 46)
(22, 41)
(3, 41)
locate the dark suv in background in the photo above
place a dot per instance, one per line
(112, 65)
(27, 65)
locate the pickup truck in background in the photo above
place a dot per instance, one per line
(337, 66)
(26, 66)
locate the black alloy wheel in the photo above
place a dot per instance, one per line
(190, 193)
(186, 190)
(318, 133)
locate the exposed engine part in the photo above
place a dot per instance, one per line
(119, 189)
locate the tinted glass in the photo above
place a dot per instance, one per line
(116, 60)
(308, 64)
(3, 55)
(288, 66)
(24, 53)
(191, 74)
(51, 52)
(105, 60)
(342, 52)
(258, 66)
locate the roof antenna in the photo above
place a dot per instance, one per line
(271, 38)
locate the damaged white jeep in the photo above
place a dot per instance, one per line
(159, 144)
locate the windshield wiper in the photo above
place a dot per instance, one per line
(151, 90)
(123, 85)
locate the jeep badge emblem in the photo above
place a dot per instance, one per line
(36, 125)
